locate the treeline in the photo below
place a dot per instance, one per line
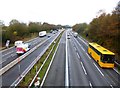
(18, 31)
(104, 29)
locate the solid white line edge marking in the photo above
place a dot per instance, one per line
(66, 67)
(98, 69)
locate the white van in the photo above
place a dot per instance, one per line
(42, 33)
(75, 34)
(17, 43)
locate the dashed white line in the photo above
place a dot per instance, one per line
(3, 61)
(83, 68)
(12, 55)
(78, 55)
(80, 45)
(98, 69)
(90, 84)
(7, 53)
(83, 49)
(111, 86)
(83, 41)
(8, 57)
(34, 43)
(88, 56)
(75, 48)
(116, 71)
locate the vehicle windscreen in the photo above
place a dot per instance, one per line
(108, 58)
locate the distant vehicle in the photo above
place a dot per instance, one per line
(57, 30)
(18, 43)
(54, 32)
(51, 31)
(68, 37)
(42, 33)
(102, 56)
(22, 48)
(48, 36)
(75, 34)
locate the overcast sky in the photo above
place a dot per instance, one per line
(65, 12)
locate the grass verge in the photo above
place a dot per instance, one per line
(42, 72)
(119, 68)
(30, 75)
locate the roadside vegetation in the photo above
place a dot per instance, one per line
(104, 29)
(22, 31)
(30, 75)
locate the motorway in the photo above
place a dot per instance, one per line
(10, 54)
(10, 77)
(98, 76)
(56, 74)
(82, 69)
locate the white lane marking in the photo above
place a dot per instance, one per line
(49, 66)
(66, 67)
(78, 55)
(98, 69)
(111, 85)
(3, 61)
(90, 84)
(83, 41)
(83, 68)
(74, 45)
(80, 45)
(7, 57)
(34, 43)
(75, 48)
(29, 67)
(116, 71)
(78, 42)
(7, 53)
(12, 55)
(88, 56)
(83, 49)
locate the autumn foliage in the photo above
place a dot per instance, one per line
(18, 30)
(105, 30)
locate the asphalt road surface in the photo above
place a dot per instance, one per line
(11, 75)
(10, 54)
(83, 70)
(56, 74)
(96, 76)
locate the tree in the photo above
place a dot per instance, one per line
(34, 27)
(14, 21)
(80, 28)
(117, 9)
(16, 31)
